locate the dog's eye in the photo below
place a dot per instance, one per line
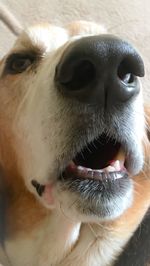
(17, 63)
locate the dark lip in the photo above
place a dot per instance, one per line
(104, 178)
(94, 196)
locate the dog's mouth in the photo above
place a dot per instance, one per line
(98, 177)
(98, 160)
(101, 160)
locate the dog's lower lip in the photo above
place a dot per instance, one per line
(73, 170)
(114, 166)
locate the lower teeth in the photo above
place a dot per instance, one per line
(81, 171)
(84, 172)
(89, 173)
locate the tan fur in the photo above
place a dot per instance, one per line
(36, 235)
(84, 27)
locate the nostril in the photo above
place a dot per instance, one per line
(99, 69)
(125, 74)
(78, 76)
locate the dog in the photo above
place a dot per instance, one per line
(74, 147)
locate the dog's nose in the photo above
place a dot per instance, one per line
(100, 69)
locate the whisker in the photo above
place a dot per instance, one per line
(92, 230)
(64, 214)
(105, 227)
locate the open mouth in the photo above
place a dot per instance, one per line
(98, 179)
(99, 160)
(102, 160)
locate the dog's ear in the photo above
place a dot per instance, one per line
(84, 28)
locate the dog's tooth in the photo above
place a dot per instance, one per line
(90, 173)
(97, 174)
(120, 155)
(110, 169)
(82, 171)
(117, 165)
(80, 168)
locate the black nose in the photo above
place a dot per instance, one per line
(100, 69)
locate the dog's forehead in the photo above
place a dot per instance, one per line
(47, 37)
(43, 37)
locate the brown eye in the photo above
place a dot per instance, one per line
(17, 63)
(20, 64)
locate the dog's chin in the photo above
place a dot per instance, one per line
(89, 200)
(96, 199)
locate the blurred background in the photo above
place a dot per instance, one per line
(129, 19)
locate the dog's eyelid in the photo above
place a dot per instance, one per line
(18, 55)
(28, 57)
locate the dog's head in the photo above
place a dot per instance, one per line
(71, 118)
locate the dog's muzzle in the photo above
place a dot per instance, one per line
(100, 73)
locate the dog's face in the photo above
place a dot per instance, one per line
(72, 120)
